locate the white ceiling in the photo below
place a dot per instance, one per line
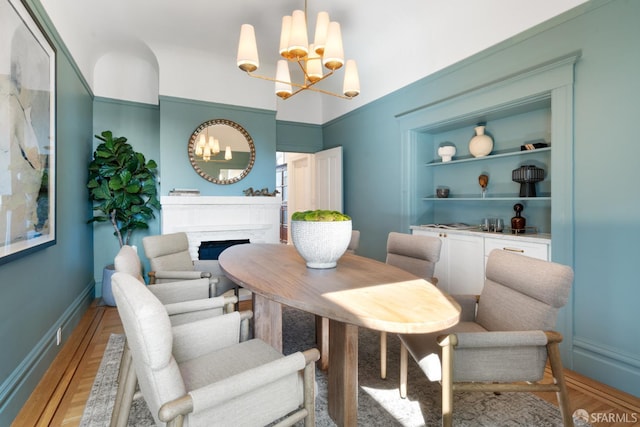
(139, 49)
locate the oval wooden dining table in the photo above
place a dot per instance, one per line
(358, 292)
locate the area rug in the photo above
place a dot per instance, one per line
(379, 402)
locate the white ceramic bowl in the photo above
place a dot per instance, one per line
(321, 243)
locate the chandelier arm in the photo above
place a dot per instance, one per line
(308, 86)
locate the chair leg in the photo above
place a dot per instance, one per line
(383, 355)
(309, 395)
(447, 380)
(404, 362)
(558, 375)
(127, 382)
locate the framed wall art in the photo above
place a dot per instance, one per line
(27, 133)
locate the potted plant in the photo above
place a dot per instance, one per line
(321, 237)
(123, 188)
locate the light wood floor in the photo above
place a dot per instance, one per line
(60, 397)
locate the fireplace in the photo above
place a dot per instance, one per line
(212, 249)
(214, 219)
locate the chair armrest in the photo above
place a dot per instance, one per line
(238, 385)
(193, 339)
(179, 274)
(493, 339)
(219, 303)
(180, 291)
(468, 305)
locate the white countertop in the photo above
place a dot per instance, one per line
(525, 237)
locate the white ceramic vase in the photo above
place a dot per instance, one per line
(480, 145)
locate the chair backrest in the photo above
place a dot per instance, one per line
(414, 253)
(150, 339)
(354, 243)
(168, 252)
(522, 293)
(128, 261)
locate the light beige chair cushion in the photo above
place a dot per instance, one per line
(168, 252)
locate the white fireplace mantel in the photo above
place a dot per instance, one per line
(212, 218)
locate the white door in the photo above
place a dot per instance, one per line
(314, 181)
(328, 179)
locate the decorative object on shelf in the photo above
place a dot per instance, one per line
(483, 180)
(447, 151)
(442, 192)
(326, 50)
(321, 237)
(481, 144)
(250, 192)
(527, 176)
(532, 145)
(493, 225)
(518, 222)
(184, 192)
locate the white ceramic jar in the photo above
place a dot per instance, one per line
(480, 145)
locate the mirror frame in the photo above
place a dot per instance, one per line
(192, 156)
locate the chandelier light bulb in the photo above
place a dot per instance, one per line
(298, 40)
(227, 153)
(320, 39)
(214, 146)
(284, 36)
(247, 58)
(283, 80)
(333, 57)
(351, 86)
(314, 65)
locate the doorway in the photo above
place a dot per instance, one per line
(308, 181)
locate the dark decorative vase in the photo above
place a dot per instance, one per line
(527, 176)
(518, 222)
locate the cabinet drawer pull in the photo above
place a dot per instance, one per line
(513, 250)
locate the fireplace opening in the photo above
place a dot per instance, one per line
(211, 250)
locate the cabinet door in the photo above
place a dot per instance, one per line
(465, 264)
(461, 266)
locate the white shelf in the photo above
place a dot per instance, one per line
(467, 159)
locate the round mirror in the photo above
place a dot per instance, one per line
(221, 151)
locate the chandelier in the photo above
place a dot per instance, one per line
(208, 146)
(326, 50)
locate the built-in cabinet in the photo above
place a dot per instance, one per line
(464, 253)
(510, 129)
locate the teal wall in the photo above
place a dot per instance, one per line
(52, 287)
(602, 322)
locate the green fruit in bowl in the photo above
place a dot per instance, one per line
(320, 215)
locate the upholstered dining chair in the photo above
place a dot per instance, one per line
(505, 335)
(185, 301)
(416, 254)
(170, 260)
(354, 243)
(200, 374)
